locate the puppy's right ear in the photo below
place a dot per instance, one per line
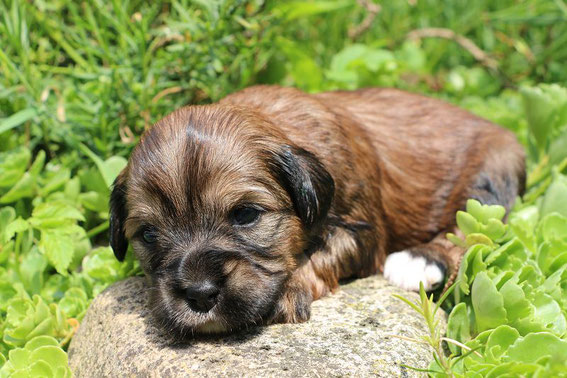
(308, 183)
(118, 215)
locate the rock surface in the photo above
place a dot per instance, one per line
(348, 335)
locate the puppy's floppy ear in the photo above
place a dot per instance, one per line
(118, 215)
(307, 182)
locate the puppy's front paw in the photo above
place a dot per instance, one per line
(293, 307)
(407, 269)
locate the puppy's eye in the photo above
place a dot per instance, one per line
(245, 215)
(149, 236)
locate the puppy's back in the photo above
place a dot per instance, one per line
(430, 153)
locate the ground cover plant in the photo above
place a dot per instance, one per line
(80, 81)
(508, 307)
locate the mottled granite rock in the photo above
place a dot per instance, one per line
(348, 335)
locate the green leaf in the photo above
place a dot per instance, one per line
(499, 341)
(7, 292)
(56, 210)
(17, 119)
(56, 181)
(38, 163)
(92, 180)
(112, 167)
(474, 208)
(515, 302)
(467, 223)
(51, 354)
(359, 63)
(102, 265)
(543, 105)
(514, 369)
(56, 215)
(534, 346)
(19, 358)
(74, 303)
(555, 198)
(303, 69)
(28, 318)
(299, 9)
(523, 224)
(7, 215)
(458, 326)
(40, 341)
(558, 149)
(494, 229)
(55, 287)
(412, 56)
(109, 168)
(73, 189)
(502, 255)
(24, 188)
(552, 228)
(455, 240)
(58, 248)
(31, 270)
(94, 201)
(16, 226)
(483, 213)
(471, 264)
(40, 369)
(496, 212)
(13, 165)
(488, 303)
(558, 263)
(473, 239)
(549, 314)
(41, 357)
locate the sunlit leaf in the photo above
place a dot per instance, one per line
(58, 247)
(488, 303)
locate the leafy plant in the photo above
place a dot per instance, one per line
(42, 356)
(427, 308)
(510, 298)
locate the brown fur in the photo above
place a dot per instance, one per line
(342, 178)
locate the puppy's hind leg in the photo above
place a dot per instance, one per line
(499, 179)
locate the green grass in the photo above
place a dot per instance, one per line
(80, 81)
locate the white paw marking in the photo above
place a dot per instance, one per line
(407, 271)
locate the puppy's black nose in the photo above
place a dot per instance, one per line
(202, 296)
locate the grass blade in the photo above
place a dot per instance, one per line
(17, 119)
(411, 304)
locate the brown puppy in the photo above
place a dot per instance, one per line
(246, 211)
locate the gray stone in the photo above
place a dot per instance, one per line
(349, 334)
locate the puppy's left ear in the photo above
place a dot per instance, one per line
(118, 214)
(307, 182)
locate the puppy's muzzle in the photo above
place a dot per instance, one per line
(197, 280)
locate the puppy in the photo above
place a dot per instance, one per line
(245, 211)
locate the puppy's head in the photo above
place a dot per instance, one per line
(219, 208)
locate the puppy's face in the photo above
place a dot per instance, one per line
(219, 208)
